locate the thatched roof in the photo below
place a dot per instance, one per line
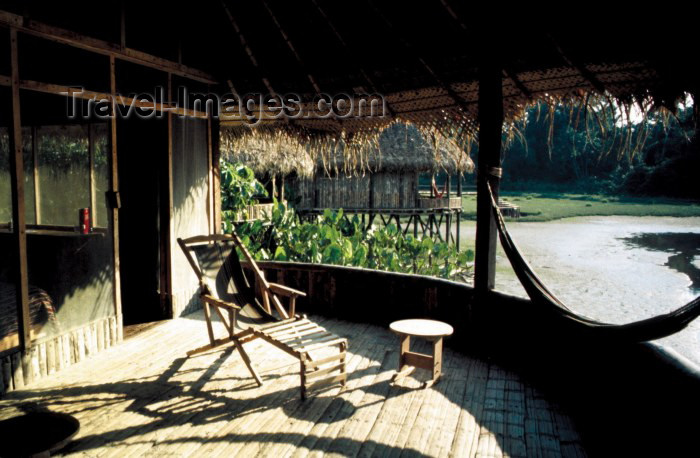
(399, 147)
(425, 59)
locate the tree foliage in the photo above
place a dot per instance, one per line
(562, 152)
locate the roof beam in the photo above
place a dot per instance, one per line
(80, 93)
(585, 73)
(355, 56)
(247, 49)
(409, 47)
(507, 72)
(291, 47)
(76, 40)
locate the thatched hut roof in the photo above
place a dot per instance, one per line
(399, 147)
(266, 151)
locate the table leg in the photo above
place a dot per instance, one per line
(404, 369)
(405, 347)
(437, 363)
(437, 358)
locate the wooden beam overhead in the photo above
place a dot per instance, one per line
(58, 89)
(98, 46)
(410, 51)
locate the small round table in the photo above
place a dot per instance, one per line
(430, 330)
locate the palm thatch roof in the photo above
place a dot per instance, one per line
(399, 147)
(425, 61)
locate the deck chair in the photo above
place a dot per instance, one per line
(225, 288)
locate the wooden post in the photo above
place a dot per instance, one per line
(489, 163)
(19, 232)
(166, 216)
(281, 188)
(448, 225)
(122, 27)
(37, 187)
(216, 174)
(114, 189)
(316, 196)
(459, 212)
(91, 175)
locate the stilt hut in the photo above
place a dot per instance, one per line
(381, 180)
(91, 208)
(388, 180)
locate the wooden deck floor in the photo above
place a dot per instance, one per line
(144, 397)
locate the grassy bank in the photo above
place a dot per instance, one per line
(551, 206)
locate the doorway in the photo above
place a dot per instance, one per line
(142, 148)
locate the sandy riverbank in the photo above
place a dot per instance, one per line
(590, 266)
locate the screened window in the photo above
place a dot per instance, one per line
(66, 169)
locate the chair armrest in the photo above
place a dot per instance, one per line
(218, 302)
(285, 290)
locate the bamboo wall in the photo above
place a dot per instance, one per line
(378, 191)
(46, 357)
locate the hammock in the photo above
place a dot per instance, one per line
(638, 331)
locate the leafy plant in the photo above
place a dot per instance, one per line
(335, 238)
(239, 189)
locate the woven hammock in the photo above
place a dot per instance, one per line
(638, 331)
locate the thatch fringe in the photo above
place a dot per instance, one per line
(394, 147)
(432, 143)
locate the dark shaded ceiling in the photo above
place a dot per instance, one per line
(423, 57)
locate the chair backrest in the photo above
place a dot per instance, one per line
(216, 263)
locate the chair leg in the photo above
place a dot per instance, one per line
(207, 317)
(343, 349)
(246, 360)
(302, 374)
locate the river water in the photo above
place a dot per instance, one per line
(615, 269)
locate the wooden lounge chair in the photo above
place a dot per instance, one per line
(225, 289)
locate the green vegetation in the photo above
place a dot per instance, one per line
(335, 238)
(559, 151)
(239, 188)
(551, 206)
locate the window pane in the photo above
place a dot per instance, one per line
(64, 175)
(101, 152)
(8, 305)
(5, 185)
(29, 202)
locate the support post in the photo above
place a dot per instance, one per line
(216, 173)
(488, 171)
(459, 212)
(37, 188)
(19, 232)
(114, 191)
(167, 236)
(91, 166)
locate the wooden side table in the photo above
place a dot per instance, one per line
(430, 330)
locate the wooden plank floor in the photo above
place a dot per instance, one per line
(144, 397)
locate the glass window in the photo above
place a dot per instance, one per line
(63, 173)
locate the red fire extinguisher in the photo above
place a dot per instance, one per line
(84, 219)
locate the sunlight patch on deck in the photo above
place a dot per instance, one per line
(145, 397)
